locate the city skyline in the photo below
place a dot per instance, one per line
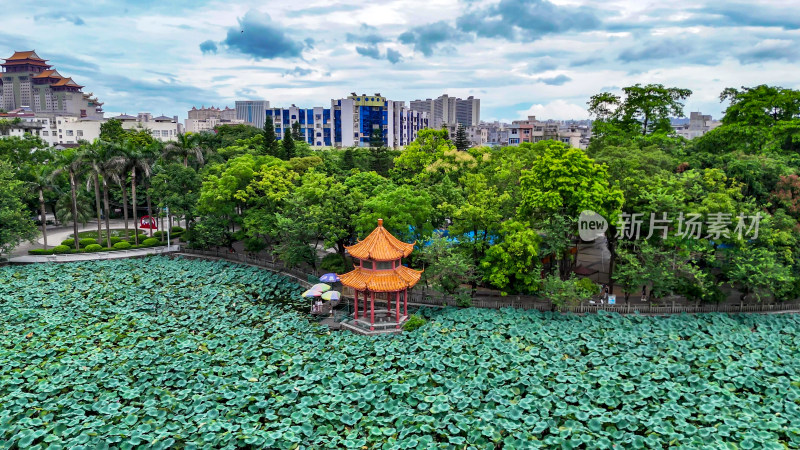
(519, 57)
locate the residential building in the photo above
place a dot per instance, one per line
(494, 134)
(316, 125)
(357, 117)
(351, 121)
(532, 130)
(698, 125)
(29, 82)
(71, 130)
(475, 134)
(447, 110)
(252, 112)
(206, 119)
(23, 121)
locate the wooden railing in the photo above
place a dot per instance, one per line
(429, 298)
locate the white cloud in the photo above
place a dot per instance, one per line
(557, 109)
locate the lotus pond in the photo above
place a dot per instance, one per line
(184, 353)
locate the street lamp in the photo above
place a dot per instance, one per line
(169, 226)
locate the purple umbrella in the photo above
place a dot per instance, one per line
(329, 278)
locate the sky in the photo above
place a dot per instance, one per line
(520, 57)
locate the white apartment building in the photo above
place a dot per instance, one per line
(699, 124)
(71, 130)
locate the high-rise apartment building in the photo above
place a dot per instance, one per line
(351, 121)
(29, 82)
(446, 110)
(252, 112)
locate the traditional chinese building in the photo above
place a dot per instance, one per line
(379, 278)
(29, 81)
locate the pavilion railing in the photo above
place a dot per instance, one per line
(430, 298)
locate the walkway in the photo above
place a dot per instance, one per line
(117, 254)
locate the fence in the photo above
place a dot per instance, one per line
(496, 301)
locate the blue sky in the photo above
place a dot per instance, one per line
(519, 57)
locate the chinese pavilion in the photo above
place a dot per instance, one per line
(379, 274)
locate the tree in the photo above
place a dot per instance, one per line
(429, 146)
(185, 147)
(446, 268)
(41, 182)
(758, 272)
(71, 162)
(787, 194)
(563, 292)
(405, 212)
(297, 133)
(178, 187)
(270, 146)
(643, 110)
(15, 223)
(512, 264)
(347, 159)
(97, 155)
(288, 146)
(462, 141)
(381, 162)
(562, 183)
(112, 131)
(135, 159)
(760, 106)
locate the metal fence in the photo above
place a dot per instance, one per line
(428, 298)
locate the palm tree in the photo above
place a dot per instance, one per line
(41, 181)
(63, 209)
(134, 158)
(100, 156)
(186, 146)
(71, 162)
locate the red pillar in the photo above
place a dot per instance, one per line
(397, 308)
(388, 304)
(372, 312)
(405, 302)
(356, 302)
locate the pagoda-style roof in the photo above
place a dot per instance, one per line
(50, 73)
(380, 245)
(67, 82)
(30, 54)
(391, 280)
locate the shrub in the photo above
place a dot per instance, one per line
(414, 322)
(587, 286)
(40, 251)
(122, 245)
(334, 262)
(114, 240)
(142, 237)
(158, 234)
(254, 245)
(176, 229)
(68, 242)
(91, 248)
(239, 235)
(62, 248)
(150, 242)
(87, 242)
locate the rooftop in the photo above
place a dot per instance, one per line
(380, 245)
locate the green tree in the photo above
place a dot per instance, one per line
(563, 292)
(446, 267)
(270, 146)
(112, 131)
(642, 110)
(71, 162)
(347, 159)
(405, 212)
(758, 272)
(41, 182)
(288, 146)
(512, 264)
(15, 223)
(562, 183)
(760, 106)
(462, 141)
(185, 147)
(178, 188)
(429, 146)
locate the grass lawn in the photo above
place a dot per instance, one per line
(161, 352)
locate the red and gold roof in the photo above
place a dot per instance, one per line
(391, 280)
(380, 245)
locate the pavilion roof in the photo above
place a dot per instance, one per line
(30, 54)
(67, 82)
(51, 73)
(380, 245)
(392, 280)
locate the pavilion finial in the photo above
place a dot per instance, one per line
(380, 222)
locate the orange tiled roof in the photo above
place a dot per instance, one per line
(48, 74)
(66, 82)
(380, 245)
(31, 54)
(381, 280)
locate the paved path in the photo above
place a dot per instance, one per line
(60, 233)
(117, 254)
